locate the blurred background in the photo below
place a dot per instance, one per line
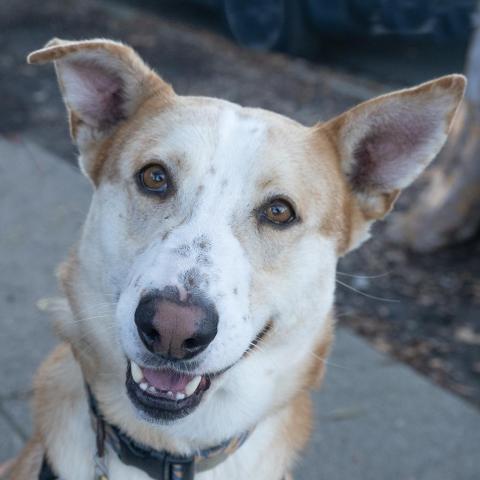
(414, 290)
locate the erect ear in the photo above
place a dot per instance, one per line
(102, 83)
(385, 143)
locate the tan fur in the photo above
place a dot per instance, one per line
(28, 463)
(48, 393)
(105, 165)
(66, 277)
(299, 426)
(317, 370)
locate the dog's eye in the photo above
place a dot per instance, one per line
(154, 179)
(279, 212)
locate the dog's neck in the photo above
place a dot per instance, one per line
(160, 465)
(64, 420)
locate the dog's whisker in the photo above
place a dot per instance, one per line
(100, 306)
(255, 346)
(92, 329)
(100, 309)
(87, 318)
(84, 338)
(98, 313)
(86, 293)
(380, 275)
(84, 349)
(368, 295)
(328, 362)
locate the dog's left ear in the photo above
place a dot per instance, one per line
(102, 82)
(385, 143)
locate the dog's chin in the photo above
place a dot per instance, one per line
(165, 395)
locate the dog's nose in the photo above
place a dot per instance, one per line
(173, 329)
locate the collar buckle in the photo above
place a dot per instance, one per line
(179, 468)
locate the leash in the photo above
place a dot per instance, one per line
(158, 464)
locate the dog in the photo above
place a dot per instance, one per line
(199, 297)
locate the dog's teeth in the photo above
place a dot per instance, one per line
(144, 386)
(193, 385)
(179, 396)
(152, 389)
(137, 374)
(170, 394)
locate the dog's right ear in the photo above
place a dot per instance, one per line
(102, 83)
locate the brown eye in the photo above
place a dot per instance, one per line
(154, 179)
(279, 212)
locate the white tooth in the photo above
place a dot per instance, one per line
(152, 389)
(180, 396)
(137, 374)
(170, 394)
(144, 386)
(193, 385)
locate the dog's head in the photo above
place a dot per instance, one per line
(206, 267)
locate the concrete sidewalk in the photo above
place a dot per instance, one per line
(376, 419)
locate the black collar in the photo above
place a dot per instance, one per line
(158, 464)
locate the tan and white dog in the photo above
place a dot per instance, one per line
(200, 293)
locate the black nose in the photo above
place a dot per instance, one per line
(173, 329)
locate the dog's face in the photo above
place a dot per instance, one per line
(205, 274)
(207, 219)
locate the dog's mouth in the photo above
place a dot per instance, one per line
(165, 394)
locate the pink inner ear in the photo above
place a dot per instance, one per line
(93, 92)
(394, 149)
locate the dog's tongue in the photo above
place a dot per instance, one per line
(166, 380)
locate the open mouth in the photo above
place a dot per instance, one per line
(164, 394)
